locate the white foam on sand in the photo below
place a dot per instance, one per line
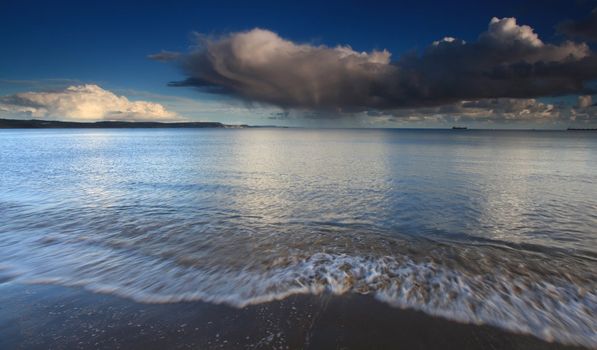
(554, 310)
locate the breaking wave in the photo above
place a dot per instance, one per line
(481, 285)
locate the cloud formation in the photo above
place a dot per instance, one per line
(506, 61)
(164, 56)
(82, 103)
(585, 29)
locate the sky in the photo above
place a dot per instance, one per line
(487, 64)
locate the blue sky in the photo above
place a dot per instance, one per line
(49, 45)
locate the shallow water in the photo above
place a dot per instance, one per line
(496, 227)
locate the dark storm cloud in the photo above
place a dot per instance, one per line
(508, 60)
(585, 28)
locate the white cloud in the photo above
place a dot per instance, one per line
(524, 44)
(82, 103)
(585, 101)
(448, 40)
(507, 31)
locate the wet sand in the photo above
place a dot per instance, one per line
(51, 317)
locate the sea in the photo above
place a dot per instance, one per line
(483, 227)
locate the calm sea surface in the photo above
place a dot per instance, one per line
(496, 227)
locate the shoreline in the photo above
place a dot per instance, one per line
(44, 316)
(58, 124)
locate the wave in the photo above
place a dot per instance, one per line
(517, 298)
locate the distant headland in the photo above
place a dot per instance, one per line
(54, 124)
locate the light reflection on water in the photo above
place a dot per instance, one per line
(481, 226)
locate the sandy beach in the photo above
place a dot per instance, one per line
(50, 317)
